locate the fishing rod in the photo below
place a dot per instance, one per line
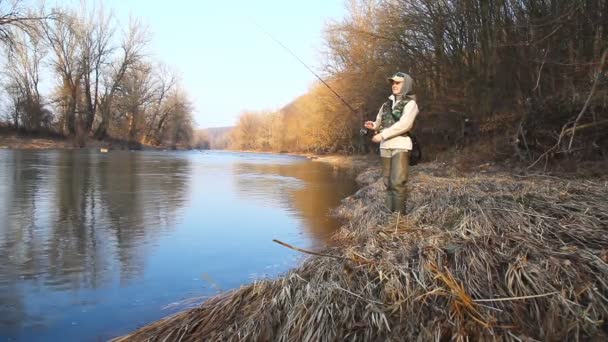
(363, 131)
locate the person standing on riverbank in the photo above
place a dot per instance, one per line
(393, 122)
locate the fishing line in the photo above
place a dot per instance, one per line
(304, 64)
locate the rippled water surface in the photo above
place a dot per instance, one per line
(95, 245)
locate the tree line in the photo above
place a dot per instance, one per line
(106, 85)
(522, 78)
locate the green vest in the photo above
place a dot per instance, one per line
(392, 115)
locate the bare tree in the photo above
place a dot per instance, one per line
(104, 89)
(22, 71)
(62, 39)
(180, 127)
(95, 33)
(135, 98)
(14, 17)
(520, 69)
(131, 52)
(246, 131)
(166, 81)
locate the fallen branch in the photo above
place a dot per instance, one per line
(572, 130)
(309, 252)
(581, 127)
(601, 66)
(559, 140)
(514, 298)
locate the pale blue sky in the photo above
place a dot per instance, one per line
(227, 64)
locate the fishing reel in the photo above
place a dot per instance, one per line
(363, 131)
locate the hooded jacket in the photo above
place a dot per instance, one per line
(392, 137)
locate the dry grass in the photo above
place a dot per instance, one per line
(491, 257)
(13, 141)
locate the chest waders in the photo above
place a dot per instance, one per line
(395, 167)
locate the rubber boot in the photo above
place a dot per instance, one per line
(386, 178)
(398, 180)
(399, 204)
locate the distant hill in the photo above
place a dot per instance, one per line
(218, 137)
(217, 130)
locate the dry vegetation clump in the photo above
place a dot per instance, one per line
(490, 257)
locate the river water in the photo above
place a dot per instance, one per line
(94, 245)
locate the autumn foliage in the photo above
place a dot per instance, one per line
(524, 79)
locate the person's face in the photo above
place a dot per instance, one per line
(396, 87)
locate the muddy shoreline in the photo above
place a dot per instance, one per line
(13, 141)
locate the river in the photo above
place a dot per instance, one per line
(94, 245)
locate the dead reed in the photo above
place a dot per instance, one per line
(490, 257)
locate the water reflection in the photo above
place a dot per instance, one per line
(73, 220)
(19, 241)
(94, 245)
(308, 189)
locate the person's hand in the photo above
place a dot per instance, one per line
(369, 125)
(377, 138)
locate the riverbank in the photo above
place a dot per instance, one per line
(486, 255)
(15, 141)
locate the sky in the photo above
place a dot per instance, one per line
(226, 63)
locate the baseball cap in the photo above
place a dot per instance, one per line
(397, 77)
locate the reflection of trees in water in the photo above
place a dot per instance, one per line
(73, 249)
(18, 205)
(20, 209)
(140, 197)
(322, 189)
(123, 210)
(100, 209)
